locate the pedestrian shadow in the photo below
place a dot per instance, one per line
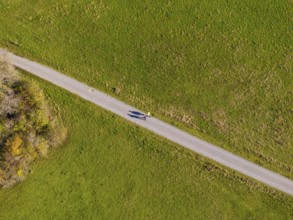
(136, 113)
(141, 116)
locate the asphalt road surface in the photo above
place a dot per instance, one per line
(157, 126)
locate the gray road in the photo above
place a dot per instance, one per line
(159, 127)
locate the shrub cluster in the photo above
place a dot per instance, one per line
(27, 127)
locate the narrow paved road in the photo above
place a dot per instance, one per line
(159, 127)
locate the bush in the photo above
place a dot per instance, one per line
(27, 127)
(14, 145)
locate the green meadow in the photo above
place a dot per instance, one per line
(219, 69)
(112, 169)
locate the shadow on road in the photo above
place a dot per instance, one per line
(136, 113)
(141, 116)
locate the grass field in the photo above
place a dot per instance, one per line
(221, 70)
(112, 169)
